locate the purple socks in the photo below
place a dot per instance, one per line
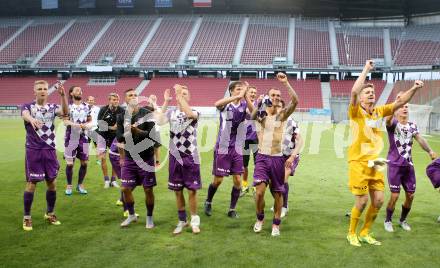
(235, 194)
(211, 192)
(82, 173)
(51, 197)
(182, 215)
(69, 174)
(404, 214)
(286, 194)
(28, 198)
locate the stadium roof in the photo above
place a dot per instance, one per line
(313, 8)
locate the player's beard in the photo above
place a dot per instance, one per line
(77, 98)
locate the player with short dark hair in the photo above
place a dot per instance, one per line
(136, 137)
(41, 161)
(228, 158)
(107, 133)
(76, 143)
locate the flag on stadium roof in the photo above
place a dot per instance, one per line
(163, 3)
(202, 3)
(125, 3)
(87, 3)
(49, 4)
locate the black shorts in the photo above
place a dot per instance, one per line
(250, 146)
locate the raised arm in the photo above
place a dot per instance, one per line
(360, 81)
(292, 93)
(160, 114)
(222, 102)
(389, 120)
(64, 106)
(166, 100)
(407, 95)
(293, 97)
(259, 106)
(425, 146)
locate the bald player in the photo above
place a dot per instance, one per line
(270, 163)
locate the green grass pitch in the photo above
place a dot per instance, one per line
(312, 235)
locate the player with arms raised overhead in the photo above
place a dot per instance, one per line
(41, 159)
(270, 163)
(366, 122)
(401, 133)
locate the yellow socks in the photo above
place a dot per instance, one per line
(369, 220)
(354, 220)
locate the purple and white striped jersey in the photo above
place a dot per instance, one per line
(43, 138)
(232, 131)
(183, 132)
(401, 141)
(251, 131)
(290, 132)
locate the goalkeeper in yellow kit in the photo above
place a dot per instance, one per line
(366, 123)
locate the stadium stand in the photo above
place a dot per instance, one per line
(100, 92)
(312, 45)
(32, 40)
(160, 52)
(266, 38)
(67, 50)
(420, 45)
(7, 28)
(217, 39)
(309, 91)
(19, 90)
(204, 91)
(342, 88)
(355, 44)
(429, 93)
(121, 41)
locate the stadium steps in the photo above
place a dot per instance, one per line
(93, 43)
(17, 33)
(142, 86)
(147, 40)
(326, 94)
(385, 94)
(291, 42)
(333, 43)
(52, 43)
(387, 47)
(189, 42)
(241, 40)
